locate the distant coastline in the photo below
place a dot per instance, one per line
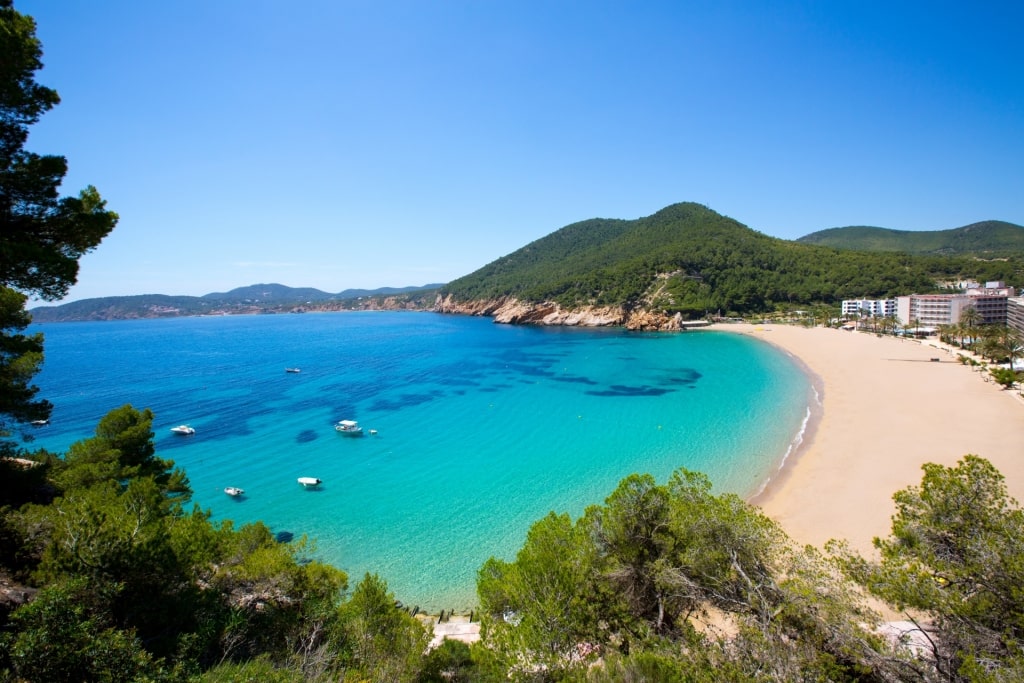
(264, 299)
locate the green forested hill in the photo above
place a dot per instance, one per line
(687, 258)
(986, 240)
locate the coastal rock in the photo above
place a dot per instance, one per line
(482, 307)
(512, 311)
(642, 319)
(509, 310)
(548, 313)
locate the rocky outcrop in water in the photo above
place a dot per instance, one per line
(641, 319)
(510, 310)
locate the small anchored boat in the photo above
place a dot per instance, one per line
(233, 491)
(183, 430)
(309, 482)
(349, 428)
(293, 369)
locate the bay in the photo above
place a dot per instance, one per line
(481, 429)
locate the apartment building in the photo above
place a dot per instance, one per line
(931, 310)
(990, 301)
(876, 307)
(1015, 313)
(879, 308)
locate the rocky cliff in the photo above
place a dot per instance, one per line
(512, 311)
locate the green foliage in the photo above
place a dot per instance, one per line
(387, 644)
(987, 239)
(547, 594)
(449, 662)
(691, 260)
(956, 553)
(647, 666)
(121, 450)
(192, 592)
(68, 634)
(630, 581)
(259, 670)
(21, 357)
(42, 236)
(1004, 377)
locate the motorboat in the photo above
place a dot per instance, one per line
(40, 423)
(293, 369)
(233, 491)
(349, 428)
(309, 482)
(183, 430)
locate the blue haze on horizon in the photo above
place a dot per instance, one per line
(360, 144)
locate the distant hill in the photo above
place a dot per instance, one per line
(263, 298)
(272, 292)
(690, 260)
(988, 239)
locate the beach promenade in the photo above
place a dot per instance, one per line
(888, 408)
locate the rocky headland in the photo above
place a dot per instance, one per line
(512, 311)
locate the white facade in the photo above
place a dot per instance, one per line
(879, 308)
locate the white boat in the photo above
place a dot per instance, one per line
(293, 370)
(184, 430)
(309, 482)
(233, 490)
(349, 428)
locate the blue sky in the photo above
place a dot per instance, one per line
(337, 144)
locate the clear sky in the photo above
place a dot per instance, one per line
(359, 144)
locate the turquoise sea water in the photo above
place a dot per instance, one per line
(481, 428)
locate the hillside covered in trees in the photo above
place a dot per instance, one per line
(690, 260)
(987, 239)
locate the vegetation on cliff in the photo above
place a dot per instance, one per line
(691, 260)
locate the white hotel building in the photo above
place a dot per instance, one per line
(879, 308)
(932, 310)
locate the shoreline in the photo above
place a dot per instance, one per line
(809, 429)
(885, 408)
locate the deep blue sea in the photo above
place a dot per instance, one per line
(482, 429)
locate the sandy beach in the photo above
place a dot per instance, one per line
(887, 409)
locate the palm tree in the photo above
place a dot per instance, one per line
(890, 324)
(1002, 342)
(947, 333)
(970, 319)
(1014, 342)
